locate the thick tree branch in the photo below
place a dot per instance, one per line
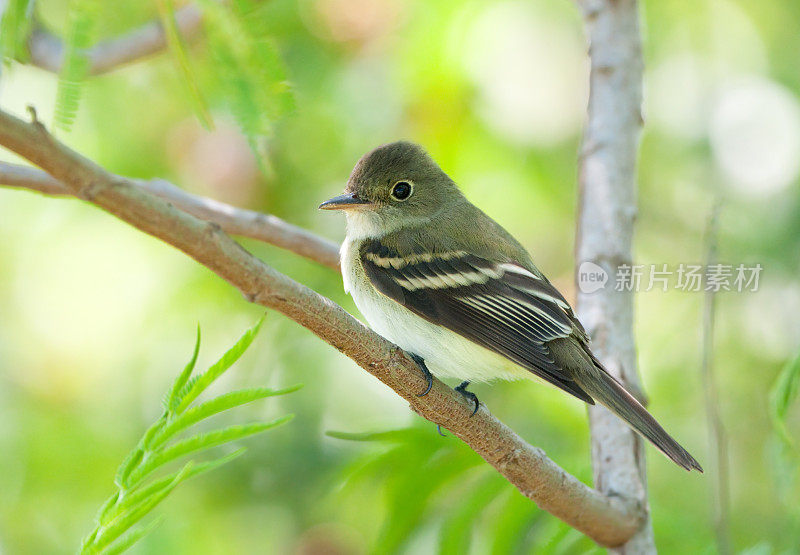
(47, 51)
(236, 221)
(605, 237)
(607, 520)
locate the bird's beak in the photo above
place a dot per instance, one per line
(343, 202)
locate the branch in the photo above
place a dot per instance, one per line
(717, 438)
(607, 520)
(605, 234)
(47, 51)
(236, 221)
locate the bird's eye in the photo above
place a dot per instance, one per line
(402, 190)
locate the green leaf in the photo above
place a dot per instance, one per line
(166, 11)
(136, 512)
(514, 521)
(127, 540)
(203, 441)
(410, 493)
(153, 431)
(196, 387)
(87, 545)
(249, 70)
(106, 507)
(573, 541)
(553, 541)
(209, 408)
(173, 399)
(371, 467)
(783, 395)
(81, 18)
(456, 532)
(117, 518)
(138, 495)
(128, 465)
(391, 436)
(15, 27)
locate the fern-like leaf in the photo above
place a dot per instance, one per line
(177, 47)
(117, 520)
(215, 406)
(784, 393)
(81, 17)
(250, 72)
(202, 442)
(196, 387)
(127, 540)
(134, 513)
(15, 26)
(174, 393)
(139, 495)
(455, 535)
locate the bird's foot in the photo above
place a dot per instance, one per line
(425, 372)
(462, 388)
(429, 377)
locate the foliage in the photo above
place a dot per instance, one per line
(137, 493)
(783, 395)
(248, 67)
(786, 454)
(166, 11)
(423, 475)
(81, 23)
(14, 30)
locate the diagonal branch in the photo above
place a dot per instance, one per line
(236, 221)
(47, 51)
(607, 520)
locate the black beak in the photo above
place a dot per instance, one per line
(343, 202)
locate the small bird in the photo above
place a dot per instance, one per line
(439, 278)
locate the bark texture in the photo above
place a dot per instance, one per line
(607, 210)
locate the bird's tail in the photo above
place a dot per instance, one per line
(609, 393)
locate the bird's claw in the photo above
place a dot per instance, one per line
(425, 372)
(462, 388)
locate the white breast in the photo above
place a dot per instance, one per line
(446, 353)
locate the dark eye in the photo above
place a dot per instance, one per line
(401, 190)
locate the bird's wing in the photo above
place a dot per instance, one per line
(500, 306)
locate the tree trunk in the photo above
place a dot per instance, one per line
(607, 209)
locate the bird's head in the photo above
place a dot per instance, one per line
(395, 185)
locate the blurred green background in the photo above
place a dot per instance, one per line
(96, 318)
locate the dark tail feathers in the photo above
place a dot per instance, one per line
(608, 392)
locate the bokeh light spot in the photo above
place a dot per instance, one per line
(755, 135)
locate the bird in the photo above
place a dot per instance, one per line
(439, 278)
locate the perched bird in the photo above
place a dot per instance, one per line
(435, 275)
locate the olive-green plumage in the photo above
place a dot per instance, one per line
(434, 274)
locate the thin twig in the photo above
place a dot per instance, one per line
(236, 221)
(607, 209)
(607, 520)
(717, 439)
(47, 51)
